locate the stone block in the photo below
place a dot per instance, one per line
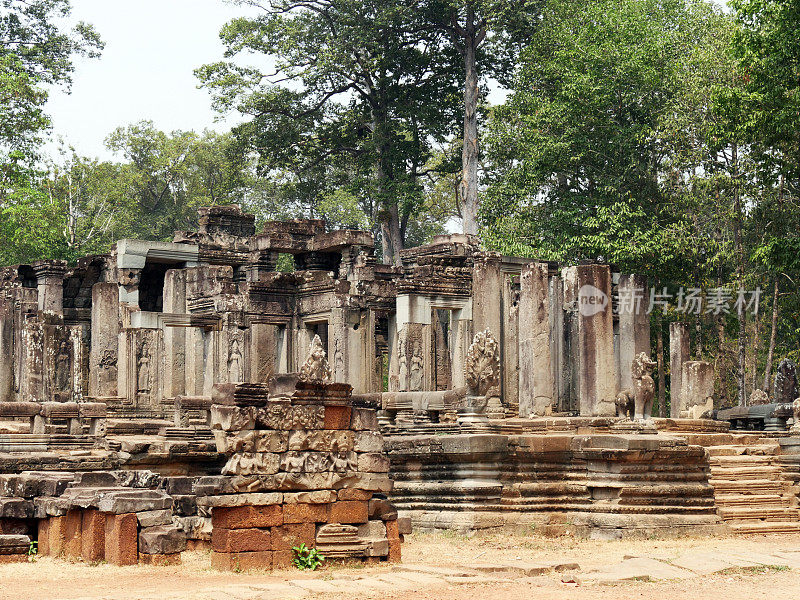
(349, 512)
(134, 501)
(373, 463)
(162, 540)
(284, 417)
(241, 540)
(247, 517)
(337, 417)
(16, 508)
(56, 535)
(153, 518)
(73, 528)
(241, 561)
(288, 536)
(245, 499)
(394, 555)
(364, 419)
(305, 513)
(404, 525)
(368, 441)
(122, 539)
(283, 559)
(43, 537)
(315, 497)
(93, 536)
(393, 529)
(14, 544)
(354, 494)
(232, 418)
(382, 509)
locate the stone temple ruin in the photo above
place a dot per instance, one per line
(175, 395)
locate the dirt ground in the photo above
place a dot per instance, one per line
(47, 578)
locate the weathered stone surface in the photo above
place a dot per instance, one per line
(153, 518)
(315, 497)
(242, 499)
(364, 419)
(697, 389)
(93, 536)
(122, 539)
(251, 441)
(318, 462)
(368, 441)
(241, 561)
(247, 517)
(241, 540)
(232, 418)
(252, 463)
(287, 536)
(382, 509)
(322, 441)
(373, 463)
(162, 540)
(349, 511)
(134, 501)
(14, 544)
(284, 417)
(305, 513)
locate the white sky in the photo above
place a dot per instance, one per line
(145, 72)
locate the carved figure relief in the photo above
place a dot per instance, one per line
(143, 375)
(61, 375)
(417, 369)
(785, 384)
(316, 367)
(235, 371)
(482, 364)
(644, 387)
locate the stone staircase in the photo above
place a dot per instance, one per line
(750, 489)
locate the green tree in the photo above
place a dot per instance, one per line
(358, 95)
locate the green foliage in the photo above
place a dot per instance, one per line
(307, 559)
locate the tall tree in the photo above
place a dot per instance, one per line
(360, 84)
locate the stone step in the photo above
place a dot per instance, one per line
(759, 513)
(739, 473)
(725, 450)
(769, 449)
(766, 527)
(741, 459)
(764, 500)
(748, 486)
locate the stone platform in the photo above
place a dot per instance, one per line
(592, 484)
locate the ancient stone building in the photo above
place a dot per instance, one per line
(199, 391)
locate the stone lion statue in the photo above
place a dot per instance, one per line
(316, 367)
(625, 404)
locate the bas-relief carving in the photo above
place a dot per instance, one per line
(482, 365)
(143, 370)
(235, 359)
(316, 367)
(417, 375)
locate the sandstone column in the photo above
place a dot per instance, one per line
(6, 354)
(105, 340)
(536, 384)
(634, 325)
(679, 353)
(263, 351)
(697, 388)
(487, 303)
(175, 337)
(50, 283)
(587, 291)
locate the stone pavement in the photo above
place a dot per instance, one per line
(402, 580)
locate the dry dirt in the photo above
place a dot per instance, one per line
(48, 578)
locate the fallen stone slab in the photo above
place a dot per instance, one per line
(153, 518)
(16, 508)
(134, 501)
(639, 569)
(162, 540)
(527, 569)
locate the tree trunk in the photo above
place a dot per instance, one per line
(662, 392)
(737, 235)
(388, 211)
(772, 336)
(469, 156)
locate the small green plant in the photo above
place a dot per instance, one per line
(307, 559)
(33, 550)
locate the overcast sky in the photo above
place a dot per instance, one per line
(146, 70)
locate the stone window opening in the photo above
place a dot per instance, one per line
(151, 287)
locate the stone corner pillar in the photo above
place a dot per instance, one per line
(588, 290)
(697, 388)
(679, 353)
(634, 325)
(104, 350)
(536, 382)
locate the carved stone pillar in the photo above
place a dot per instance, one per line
(50, 283)
(105, 340)
(634, 325)
(536, 385)
(679, 353)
